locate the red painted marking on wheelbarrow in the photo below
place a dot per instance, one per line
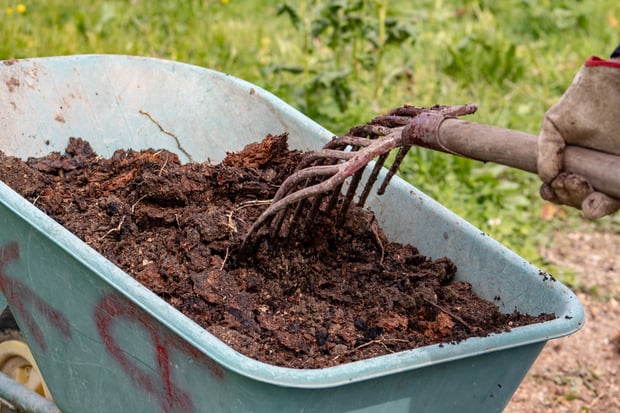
(163, 361)
(201, 359)
(112, 308)
(24, 300)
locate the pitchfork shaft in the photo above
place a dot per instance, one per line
(515, 149)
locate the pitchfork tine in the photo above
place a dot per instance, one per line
(349, 156)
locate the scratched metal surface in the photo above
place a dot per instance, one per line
(105, 343)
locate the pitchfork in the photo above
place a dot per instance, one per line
(322, 173)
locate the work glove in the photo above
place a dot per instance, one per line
(587, 115)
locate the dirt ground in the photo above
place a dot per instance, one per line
(581, 373)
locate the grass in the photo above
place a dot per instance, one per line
(344, 61)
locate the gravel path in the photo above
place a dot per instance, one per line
(581, 373)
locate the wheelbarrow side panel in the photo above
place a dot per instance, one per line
(123, 102)
(105, 343)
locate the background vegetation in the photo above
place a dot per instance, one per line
(344, 61)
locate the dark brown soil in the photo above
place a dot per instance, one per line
(342, 294)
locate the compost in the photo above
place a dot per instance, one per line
(321, 296)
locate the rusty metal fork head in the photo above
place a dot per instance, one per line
(317, 185)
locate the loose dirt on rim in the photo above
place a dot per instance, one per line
(342, 294)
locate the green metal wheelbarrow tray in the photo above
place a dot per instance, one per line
(105, 343)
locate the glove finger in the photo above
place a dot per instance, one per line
(550, 148)
(569, 189)
(547, 193)
(598, 204)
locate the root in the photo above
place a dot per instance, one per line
(381, 341)
(117, 229)
(133, 207)
(245, 204)
(167, 132)
(452, 315)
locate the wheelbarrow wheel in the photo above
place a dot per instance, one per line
(16, 360)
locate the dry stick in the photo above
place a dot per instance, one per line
(595, 400)
(454, 316)
(161, 170)
(225, 258)
(117, 229)
(232, 225)
(245, 204)
(167, 132)
(369, 343)
(133, 207)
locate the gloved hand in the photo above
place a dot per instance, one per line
(587, 115)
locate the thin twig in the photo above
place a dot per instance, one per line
(253, 203)
(230, 223)
(167, 132)
(117, 229)
(161, 170)
(371, 342)
(133, 207)
(454, 316)
(239, 207)
(225, 258)
(595, 400)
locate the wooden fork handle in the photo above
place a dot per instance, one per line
(518, 150)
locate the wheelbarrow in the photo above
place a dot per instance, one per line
(103, 342)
